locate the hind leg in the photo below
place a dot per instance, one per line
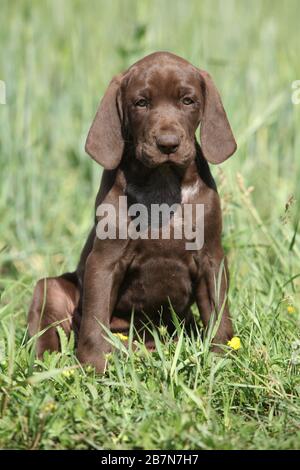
(55, 299)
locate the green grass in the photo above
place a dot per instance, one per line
(56, 58)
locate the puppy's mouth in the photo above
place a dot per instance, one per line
(152, 158)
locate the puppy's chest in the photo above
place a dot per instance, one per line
(157, 274)
(162, 268)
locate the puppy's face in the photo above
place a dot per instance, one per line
(162, 108)
(156, 106)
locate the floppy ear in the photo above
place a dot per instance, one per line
(104, 142)
(217, 140)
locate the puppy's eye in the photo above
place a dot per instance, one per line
(187, 101)
(142, 103)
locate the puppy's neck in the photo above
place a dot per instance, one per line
(160, 185)
(163, 184)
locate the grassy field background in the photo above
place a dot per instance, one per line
(56, 58)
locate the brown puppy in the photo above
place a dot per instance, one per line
(144, 136)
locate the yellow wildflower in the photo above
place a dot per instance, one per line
(291, 309)
(121, 336)
(49, 407)
(68, 373)
(193, 359)
(234, 343)
(163, 330)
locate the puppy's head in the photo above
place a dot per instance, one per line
(156, 107)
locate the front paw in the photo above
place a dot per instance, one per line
(220, 342)
(219, 349)
(98, 361)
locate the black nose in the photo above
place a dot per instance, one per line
(167, 143)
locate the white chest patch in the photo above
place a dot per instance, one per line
(188, 192)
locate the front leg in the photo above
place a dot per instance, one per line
(211, 296)
(103, 276)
